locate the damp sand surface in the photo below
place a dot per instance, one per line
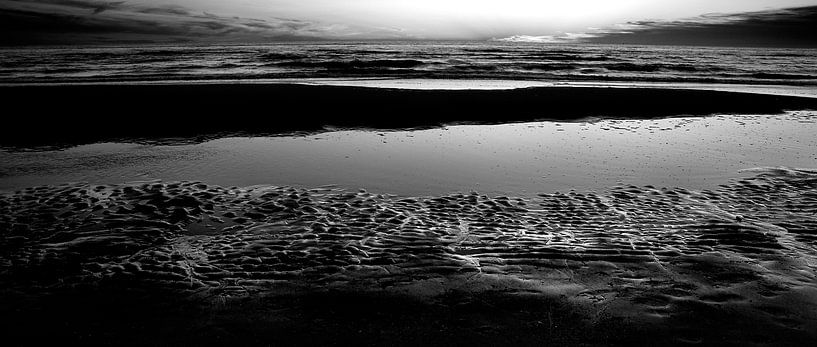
(676, 231)
(188, 262)
(521, 159)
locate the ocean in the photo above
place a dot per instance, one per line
(411, 60)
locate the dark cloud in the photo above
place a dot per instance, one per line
(67, 22)
(793, 27)
(107, 6)
(166, 10)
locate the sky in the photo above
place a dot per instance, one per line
(722, 22)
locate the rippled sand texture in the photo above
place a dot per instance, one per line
(737, 264)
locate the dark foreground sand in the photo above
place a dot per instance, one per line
(188, 263)
(55, 115)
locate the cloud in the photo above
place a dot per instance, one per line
(66, 22)
(792, 27)
(559, 38)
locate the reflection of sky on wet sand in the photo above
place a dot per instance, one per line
(453, 84)
(522, 159)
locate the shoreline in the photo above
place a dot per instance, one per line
(57, 115)
(444, 84)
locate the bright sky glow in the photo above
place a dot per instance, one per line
(482, 18)
(57, 21)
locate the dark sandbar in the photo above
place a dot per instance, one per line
(75, 114)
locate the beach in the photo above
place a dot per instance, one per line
(189, 262)
(408, 173)
(302, 214)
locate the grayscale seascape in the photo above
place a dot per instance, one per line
(169, 183)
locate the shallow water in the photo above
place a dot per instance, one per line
(519, 159)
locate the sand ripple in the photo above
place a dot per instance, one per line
(647, 253)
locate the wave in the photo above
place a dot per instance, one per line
(153, 53)
(546, 67)
(279, 56)
(415, 60)
(782, 76)
(354, 64)
(569, 57)
(467, 67)
(487, 50)
(650, 67)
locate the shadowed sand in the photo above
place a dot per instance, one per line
(54, 115)
(201, 264)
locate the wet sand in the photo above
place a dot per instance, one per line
(466, 84)
(193, 263)
(64, 115)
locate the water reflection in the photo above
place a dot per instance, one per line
(520, 159)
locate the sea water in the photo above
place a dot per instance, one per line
(411, 60)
